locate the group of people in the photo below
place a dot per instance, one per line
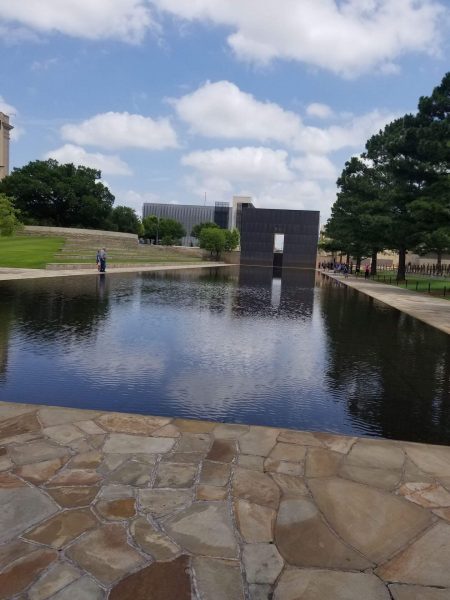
(344, 268)
(101, 260)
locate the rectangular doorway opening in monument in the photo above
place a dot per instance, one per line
(278, 247)
(278, 242)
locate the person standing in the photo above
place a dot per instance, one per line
(97, 260)
(367, 272)
(102, 260)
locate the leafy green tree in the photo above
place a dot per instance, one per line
(196, 230)
(48, 193)
(213, 239)
(391, 151)
(167, 231)
(432, 209)
(125, 219)
(232, 239)
(413, 152)
(398, 196)
(150, 227)
(170, 232)
(359, 217)
(435, 242)
(9, 216)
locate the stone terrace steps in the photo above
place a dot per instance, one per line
(81, 246)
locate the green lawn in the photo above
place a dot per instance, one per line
(418, 283)
(36, 252)
(28, 252)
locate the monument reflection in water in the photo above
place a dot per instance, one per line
(244, 346)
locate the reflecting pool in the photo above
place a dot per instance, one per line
(242, 346)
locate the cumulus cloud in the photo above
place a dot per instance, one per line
(134, 199)
(107, 164)
(126, 20)
(122, 130)
(347, 37)
(303, 194)
(321, 111)
(265, 175)
(353, 132)
(241, 164)
(6, 108)
(222, 110)
(315, 166)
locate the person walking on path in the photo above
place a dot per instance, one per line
(367, 272)
(102, 256)
(97, 259)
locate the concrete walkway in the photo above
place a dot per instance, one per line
(127, 507)
(433, 311)
(9, 273)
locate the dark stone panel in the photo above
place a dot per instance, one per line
(300, 229)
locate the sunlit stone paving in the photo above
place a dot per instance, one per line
(127, 507)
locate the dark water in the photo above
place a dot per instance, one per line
(232, 346)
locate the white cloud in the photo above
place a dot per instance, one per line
(126, 20)
(390, 68)
(263, 174)
(241, 164)
(107, 164)
(122, 130)
(134, 199)
(298, 195)
(315, 166)
(222, 110)
(211, 189)
(321, 111)
(6, 108)
(352, 133)
(12, 36)
(347, 37)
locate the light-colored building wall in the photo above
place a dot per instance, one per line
(192, 214)
(239, 202)
(186, 214)
(5, 128)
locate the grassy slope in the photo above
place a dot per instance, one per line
(36, 252)
(28, 252)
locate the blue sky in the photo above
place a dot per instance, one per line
(175, 99)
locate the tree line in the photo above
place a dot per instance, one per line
(44, 192)
(396, 194)
(64, 195)
(210, 236)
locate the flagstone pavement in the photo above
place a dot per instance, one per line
(127, 507)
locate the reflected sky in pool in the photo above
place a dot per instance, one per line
(238, 346)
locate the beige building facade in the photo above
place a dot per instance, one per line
(5, 128)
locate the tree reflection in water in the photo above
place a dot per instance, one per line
(393, 370)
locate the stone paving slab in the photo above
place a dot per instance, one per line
(100, 506)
